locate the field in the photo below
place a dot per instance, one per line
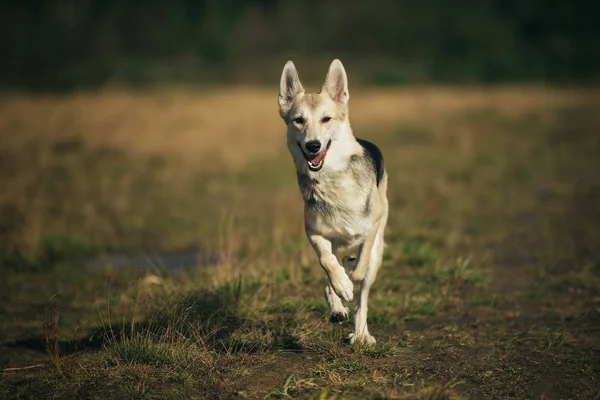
(152, 247)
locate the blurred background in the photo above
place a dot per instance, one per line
(66, 44)
(144, 177)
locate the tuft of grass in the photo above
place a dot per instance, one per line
(426, 308)
(51, 336)
(348, 366)
(385, 317)
(419, 252)
(458, 272)
(380, 349)
(141, 349)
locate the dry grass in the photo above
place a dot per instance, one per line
(234, 124)
(489, 286)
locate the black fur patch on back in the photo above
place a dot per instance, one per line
(375, 156)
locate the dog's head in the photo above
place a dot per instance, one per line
(314, 120)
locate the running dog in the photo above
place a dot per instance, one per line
(343, 182)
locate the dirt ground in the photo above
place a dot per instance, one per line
(152, 247)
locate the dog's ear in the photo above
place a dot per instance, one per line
(336, 83)
(289, 88)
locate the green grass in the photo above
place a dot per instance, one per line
(419, 252)
(142, 350)
(489, 286)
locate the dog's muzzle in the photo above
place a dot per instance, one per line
(315, 161)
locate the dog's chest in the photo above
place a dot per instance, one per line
(338, 209)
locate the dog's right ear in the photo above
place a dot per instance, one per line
(289, 88)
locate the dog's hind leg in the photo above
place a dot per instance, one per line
(357, 268)
(361, 331)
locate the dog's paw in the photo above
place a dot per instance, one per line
(339, 316)
(364, 339)
(343, 286)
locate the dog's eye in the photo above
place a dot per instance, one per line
(326, 120)
(299, 120)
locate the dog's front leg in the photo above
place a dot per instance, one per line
(336, 274)
(338, 313)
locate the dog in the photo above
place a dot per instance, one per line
(344, 185)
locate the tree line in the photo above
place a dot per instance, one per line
(62, 44)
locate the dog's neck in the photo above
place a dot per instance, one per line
(342, 148)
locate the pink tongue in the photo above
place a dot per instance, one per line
(320, 157)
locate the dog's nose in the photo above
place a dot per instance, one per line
(313, 146)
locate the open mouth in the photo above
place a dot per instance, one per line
(315, 161)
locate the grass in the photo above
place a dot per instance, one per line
(489, 286)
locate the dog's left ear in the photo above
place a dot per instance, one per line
(336, 83)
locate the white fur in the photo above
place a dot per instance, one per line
(343, 206)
